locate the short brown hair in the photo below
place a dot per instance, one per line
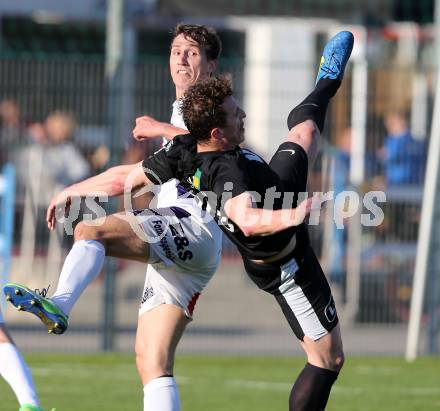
(204, 36)
(201, 106)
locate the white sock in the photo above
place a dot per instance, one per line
(81, 266)
(15, 371)
(161, 394)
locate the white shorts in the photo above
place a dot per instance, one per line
(185, 251)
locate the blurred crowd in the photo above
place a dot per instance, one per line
(395, 164)
(49, 145)
(49, 152)
(47, 155)
(399, 162)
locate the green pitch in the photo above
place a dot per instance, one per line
(109, 382)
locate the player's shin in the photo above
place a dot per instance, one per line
(312, 389)
(81, 267)
(314, 106)
(15, 371)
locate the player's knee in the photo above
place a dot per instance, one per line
(303, 131)
(152, 365)
(149, 357)
(328, 360)
(337, 361)
(86, 232)
(329, 355)
(333, 359)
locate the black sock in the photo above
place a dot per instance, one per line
(314, 106)
(312, 389)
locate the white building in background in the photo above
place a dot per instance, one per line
(280, 68)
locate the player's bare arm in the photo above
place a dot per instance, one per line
(112, 182)
(261, 222)
(148, 127)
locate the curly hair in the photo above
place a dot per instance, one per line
(204, 36)
(201, 106)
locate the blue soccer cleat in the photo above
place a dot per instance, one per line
(35, 303)
(334, 58)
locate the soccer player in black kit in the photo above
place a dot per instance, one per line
(276, 251)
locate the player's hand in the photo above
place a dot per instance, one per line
(61, 200)
(147, 127)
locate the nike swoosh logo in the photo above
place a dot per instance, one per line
(292, 152)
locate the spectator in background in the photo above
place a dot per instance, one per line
(403, 156)
(63, 162)
(11, 131)
(50, 162)
(339, 174)
(10, 121)
(340, 181)
(404, 159)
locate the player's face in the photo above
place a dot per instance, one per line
(234, 130)
(188, 63)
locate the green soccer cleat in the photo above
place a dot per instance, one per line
(35, 302)
(29, 407)
(335, 56)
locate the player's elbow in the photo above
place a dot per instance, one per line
(123, 179)
(251, 226)
(248, 221)
(248, 230)
(117, 180)
(117, 185)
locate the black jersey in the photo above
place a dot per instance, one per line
(217, 176)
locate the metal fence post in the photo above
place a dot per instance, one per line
(113, 72)
(428, 230)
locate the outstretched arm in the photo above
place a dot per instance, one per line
(111, 182)
(148, 127)
(262, 222)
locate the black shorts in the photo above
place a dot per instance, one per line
(301, 289)
(297, 282)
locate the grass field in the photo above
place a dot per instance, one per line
(109, 382)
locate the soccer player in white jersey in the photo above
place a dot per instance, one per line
(180, 244)
(15, 371)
